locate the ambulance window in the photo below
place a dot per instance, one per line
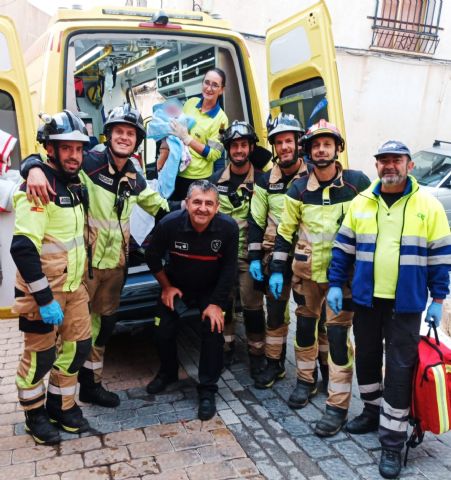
(8, 123)
(306, 101)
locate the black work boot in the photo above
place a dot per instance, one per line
(70, 420)
(390, 464)
(331, 421)
(97, 394)
(159, 383)
(38, 425)
(367, 421)
(207, 406)
(257, 365)
(302, 392)
(274, 371)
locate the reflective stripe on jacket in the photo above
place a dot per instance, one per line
(315, 213)
(424, 255)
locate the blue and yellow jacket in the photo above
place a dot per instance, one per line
(423, 256)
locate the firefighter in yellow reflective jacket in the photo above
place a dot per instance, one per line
(51, 300)
(235, 185)
(314, 208)
(114, 187)
(266, 210)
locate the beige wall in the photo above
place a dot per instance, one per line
(30, 21)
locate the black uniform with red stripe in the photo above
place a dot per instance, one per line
(203, 266)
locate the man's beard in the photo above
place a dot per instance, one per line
(396, 179)
(120, 154)
(239, 163)
(287, 163)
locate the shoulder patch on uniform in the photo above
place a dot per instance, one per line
(276, 186)
(65, 200)
(222, 188)
(104, 179)
(216, 245)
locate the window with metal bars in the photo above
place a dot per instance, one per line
(407, 25)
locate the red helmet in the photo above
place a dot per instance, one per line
(321, 129)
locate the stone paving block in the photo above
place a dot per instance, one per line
(368, 441)
(261, 395)
(116, 416)
(337, 469)
(218, 453)
(6, 431)
(438, 450)
(185, 403)
(260, 411)
(180, 416)
(8, 397)
(61, 464)
(338, 437)
(237, 407)
(50, 477)
(105, 456)
(150, 448)
(5, 457)
(277, 407)
(168, 461)
(226, 394)
(165, 431)
(277, 454)
(269, 470)
(33, 454)
(169, 475)
(134, 468)
(132, 403)
(18, 472)
(80, 445)
(244, 467)
(7, 407)
(245, 439)
(287, 445)
(106, 428)
(123, 438)
(97, 473)
(352, 453)
(243, 378)
(294, 426)
(223, 436)
(17, 441)
(221, 404)
(212, 471)
(139, 422)
(11, 418)
(309, 413)
(314, 446)
(183, 441)
(167, 397)
(235, 385)
(227, 375)
(208, 425)
(431, 468)
(229, 417)
(251, 422)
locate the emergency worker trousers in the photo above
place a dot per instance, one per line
(310, 297)
(391, 397)
(104, 292)
(167, 326)
(60, 350)
(253, 314)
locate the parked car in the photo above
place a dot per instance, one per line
(433, 172)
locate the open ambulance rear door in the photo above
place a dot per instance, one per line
(15, 120)
(302, 70)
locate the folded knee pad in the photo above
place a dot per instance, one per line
(276, 313)
(306, 331)
(82, 349)
(338, 344)
(44, 361)
(107, 323)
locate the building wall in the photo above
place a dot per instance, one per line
(30, 21)
(384, 95)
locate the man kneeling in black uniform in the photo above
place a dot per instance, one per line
(201, 245)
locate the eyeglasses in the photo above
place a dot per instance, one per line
(212, 85)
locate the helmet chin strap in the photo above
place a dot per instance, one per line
(57, 162)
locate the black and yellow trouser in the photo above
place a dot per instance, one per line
(310, 297)
(253, 314)
(104, 293)
(60, 350)
(389, 397)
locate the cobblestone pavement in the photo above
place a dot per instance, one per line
(255, 435)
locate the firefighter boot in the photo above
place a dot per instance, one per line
(256, 365)
(274, 371)
(390, 464)
(70, 420)
(331, 421)
(38, 425)
(301, 394)
(366, 422)
(94, 392)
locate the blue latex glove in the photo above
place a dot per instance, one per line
(256, 271)
(276, 284)
(335, 299)
(434, 314)
(52, 313)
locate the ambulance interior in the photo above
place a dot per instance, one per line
(107, 69)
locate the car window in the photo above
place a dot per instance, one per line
(430, 167)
